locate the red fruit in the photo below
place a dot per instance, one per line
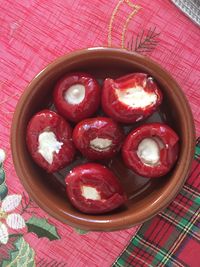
(77, 96)
(98, 138)
(93, 188)
(49, 140)
(130, 98)
(151, 150)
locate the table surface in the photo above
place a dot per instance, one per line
(35, 32)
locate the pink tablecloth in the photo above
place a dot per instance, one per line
(32, 34)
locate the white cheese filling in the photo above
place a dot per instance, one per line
(48, 144)
(136, 97)
(75, 94)
(100, 144)
(90, 192)
(148, 151)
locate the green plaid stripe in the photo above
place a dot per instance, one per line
(158, 241)
(197, 150)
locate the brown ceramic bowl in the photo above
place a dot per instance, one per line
(147, 197)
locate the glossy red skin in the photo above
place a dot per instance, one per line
(100, 127)
(168, 154)
(47, 120)
(105, 182)
(89, 105)
(122, 112)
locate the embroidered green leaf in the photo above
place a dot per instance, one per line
(3, 191)
(21, 255)
(3, 186)
(42, 228)
(2, 175)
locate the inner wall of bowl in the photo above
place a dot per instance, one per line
(39, 98)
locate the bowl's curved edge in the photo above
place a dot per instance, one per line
(100, 225)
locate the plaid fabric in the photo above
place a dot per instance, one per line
(171, 238)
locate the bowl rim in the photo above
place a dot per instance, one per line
(116, 223)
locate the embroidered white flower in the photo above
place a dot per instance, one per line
(2, 155)
(13, 220)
